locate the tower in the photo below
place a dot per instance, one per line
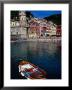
(23, 23)
(22, 16)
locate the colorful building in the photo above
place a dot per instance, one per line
(58, 31)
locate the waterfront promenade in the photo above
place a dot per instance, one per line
(54, 39)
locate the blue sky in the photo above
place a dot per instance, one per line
(42, 14)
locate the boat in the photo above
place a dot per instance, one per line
(31, 71)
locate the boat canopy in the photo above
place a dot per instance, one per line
(27, 66)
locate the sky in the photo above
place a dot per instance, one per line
(42, 14)
(38, 14)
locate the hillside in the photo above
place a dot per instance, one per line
(56, 18)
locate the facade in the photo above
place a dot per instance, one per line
(18, 28)
(58, 31)
(33, 28)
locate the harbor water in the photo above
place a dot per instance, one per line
(45, 55)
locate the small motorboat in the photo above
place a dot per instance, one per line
(31, 71)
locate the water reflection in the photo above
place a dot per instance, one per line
(46, 55)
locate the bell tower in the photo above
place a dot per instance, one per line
(22, 16)
(23, 23)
